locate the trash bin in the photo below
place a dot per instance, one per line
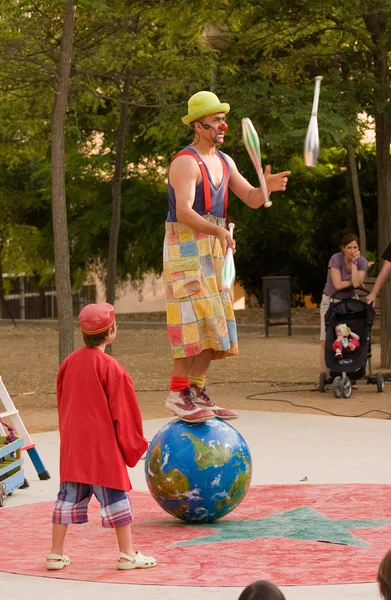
(277, 300)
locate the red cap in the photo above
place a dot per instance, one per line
(96, 318)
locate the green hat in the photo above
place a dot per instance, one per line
(202, 104)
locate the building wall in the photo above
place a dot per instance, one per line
(151, 298)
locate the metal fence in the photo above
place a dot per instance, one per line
(27, 300)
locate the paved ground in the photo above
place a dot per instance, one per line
(285, 449)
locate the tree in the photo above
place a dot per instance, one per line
(116, 193)
(36, 52)
(376, 18)
(59, 207)
(135, 76)
(24, 211)
(357, 197)
(128, 91)
(348, 43)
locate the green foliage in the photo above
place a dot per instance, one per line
(266, 72)
(303, 228)
(23, 244)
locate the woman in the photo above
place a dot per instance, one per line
(345, 268)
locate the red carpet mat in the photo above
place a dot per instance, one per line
(291, 534)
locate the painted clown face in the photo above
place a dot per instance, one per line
(214, 127)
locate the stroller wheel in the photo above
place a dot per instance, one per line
(380, 382)
(346, 387)
(337, 387)
(322, 381)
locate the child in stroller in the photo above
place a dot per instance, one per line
(349, 364)
(346, 340)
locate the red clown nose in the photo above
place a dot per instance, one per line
(223, 127)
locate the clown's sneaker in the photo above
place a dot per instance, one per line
(183, 406)
(202, 399)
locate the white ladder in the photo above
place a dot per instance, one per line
(12, 412)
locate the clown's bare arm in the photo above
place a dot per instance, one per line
(385, 270)
(184, 176)
(250, 195)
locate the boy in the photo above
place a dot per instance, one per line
(101, 432)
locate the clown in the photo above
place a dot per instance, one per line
(200, 317)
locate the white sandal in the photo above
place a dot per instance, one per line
(135, 562)
(55, 562)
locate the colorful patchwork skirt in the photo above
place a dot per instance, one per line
(200, 314)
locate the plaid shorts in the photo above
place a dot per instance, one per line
(73, 498)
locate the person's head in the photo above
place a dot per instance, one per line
(262, 590)
(341, 329)
(384, 577)
(97, 322)
(350, 244)
(207, 116)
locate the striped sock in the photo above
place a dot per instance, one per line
(198, 380)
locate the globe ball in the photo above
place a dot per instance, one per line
(198, 472)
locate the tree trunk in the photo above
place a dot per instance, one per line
(357, 198)
(377, 25)
(383, 164)
(116, 195)
(59, 208)
(351, 221)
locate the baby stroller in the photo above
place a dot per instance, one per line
(359, 317)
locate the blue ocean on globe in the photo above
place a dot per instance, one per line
(198, 472)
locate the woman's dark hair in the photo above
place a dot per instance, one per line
(262, 590)
(384, 576)
(349, 238)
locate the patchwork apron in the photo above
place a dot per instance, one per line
(200, 314)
